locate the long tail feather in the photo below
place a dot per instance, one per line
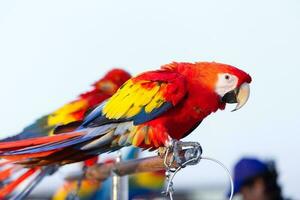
(6, 173)
(84, 136)
(44, 172)
(20, 157)
(14, 145)
(9, 188)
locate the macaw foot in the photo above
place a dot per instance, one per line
(184, 153)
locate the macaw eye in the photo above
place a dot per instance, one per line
(227, 76)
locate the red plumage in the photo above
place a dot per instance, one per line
(196, 82)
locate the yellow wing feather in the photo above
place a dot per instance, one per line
(154, 103)
(109, 105)
(132, 97)
(63, 115)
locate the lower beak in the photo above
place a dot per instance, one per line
(239, 96)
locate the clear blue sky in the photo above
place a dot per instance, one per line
(50, 51)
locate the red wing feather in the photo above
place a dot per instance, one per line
(7, 189)
(6, 146)
(20, 157)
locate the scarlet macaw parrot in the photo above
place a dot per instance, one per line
(148, 111)
(69, 113)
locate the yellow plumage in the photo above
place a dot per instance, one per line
(111, 106)
(131, 98)
(63, 115)
(129, 104)
(156, 102)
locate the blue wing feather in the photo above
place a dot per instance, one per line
(143, 117)
(97, 112)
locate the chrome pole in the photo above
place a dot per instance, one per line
(119, 184)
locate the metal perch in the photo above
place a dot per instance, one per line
(181, 155)
(177, 156)
(103, 171)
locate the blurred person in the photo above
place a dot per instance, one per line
(256, 180)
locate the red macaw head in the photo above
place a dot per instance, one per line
(229, 83)
(112, 80)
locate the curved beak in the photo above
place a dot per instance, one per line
(239, 96)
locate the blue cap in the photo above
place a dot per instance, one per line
(246, 169)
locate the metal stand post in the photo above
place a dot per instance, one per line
(119, 184)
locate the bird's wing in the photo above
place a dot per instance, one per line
(141, 99)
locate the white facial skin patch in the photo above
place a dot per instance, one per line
(226, 82)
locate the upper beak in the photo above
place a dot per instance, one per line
(239, 96)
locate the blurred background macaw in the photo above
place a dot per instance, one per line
(46, 126)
